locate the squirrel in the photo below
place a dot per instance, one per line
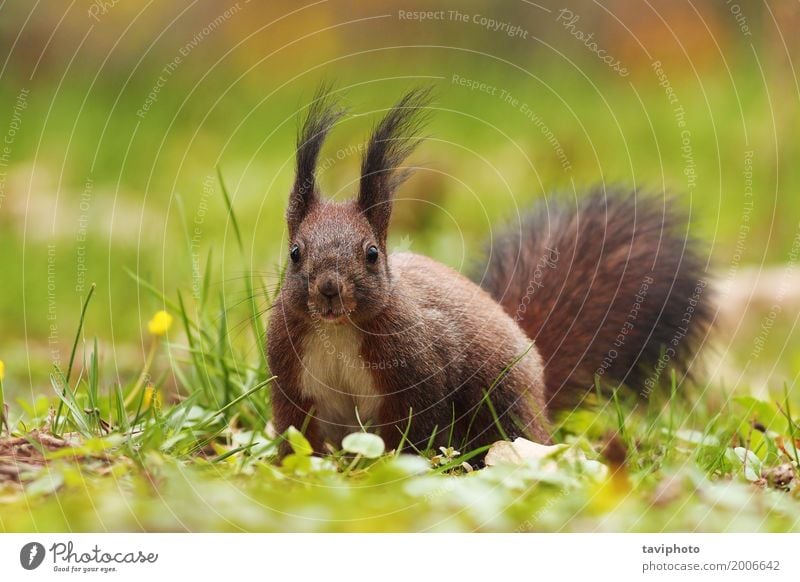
(408, 348)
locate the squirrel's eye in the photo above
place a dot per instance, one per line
(372, 254)
(294, 253)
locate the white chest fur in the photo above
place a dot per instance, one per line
(338, 381)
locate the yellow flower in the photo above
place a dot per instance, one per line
(2, 370)
(160, 323)
(151, 396)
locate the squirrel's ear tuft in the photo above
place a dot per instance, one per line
(394, 138)
(323, 113)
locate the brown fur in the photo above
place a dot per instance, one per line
(429, 356)
(401, 344)
(618, 301)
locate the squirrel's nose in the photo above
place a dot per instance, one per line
(329, 287)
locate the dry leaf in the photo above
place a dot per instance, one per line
(520, 451)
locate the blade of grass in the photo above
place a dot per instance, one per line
(92, 287)
(222, 343)
(206, 281)
(119, 403)
(488, 392)
(244, 396)
(257, 324)
(158, 294)
(89, 295)
(93, 387)
(231, 214)
(432, 438)
(164, 299)
(452, 425)
(198, 356)
(235, 451)
(461, 459)
(791, 422)
(66, 395)
(404, 434)
(496, 419)
(236, 401)
(255, 318)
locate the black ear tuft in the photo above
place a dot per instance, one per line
(391, 142)
(323, 113)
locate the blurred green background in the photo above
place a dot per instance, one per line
(115, 115)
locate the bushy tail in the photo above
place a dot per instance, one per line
(607, 286)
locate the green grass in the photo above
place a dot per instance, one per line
(483, 161)
(172, 432)
(186, 444)
(204, 460)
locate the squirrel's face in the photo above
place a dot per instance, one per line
(337, 271)
(337, 267)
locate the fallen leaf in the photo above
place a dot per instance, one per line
(520, 451)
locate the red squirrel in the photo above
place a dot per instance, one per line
(403, 346)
